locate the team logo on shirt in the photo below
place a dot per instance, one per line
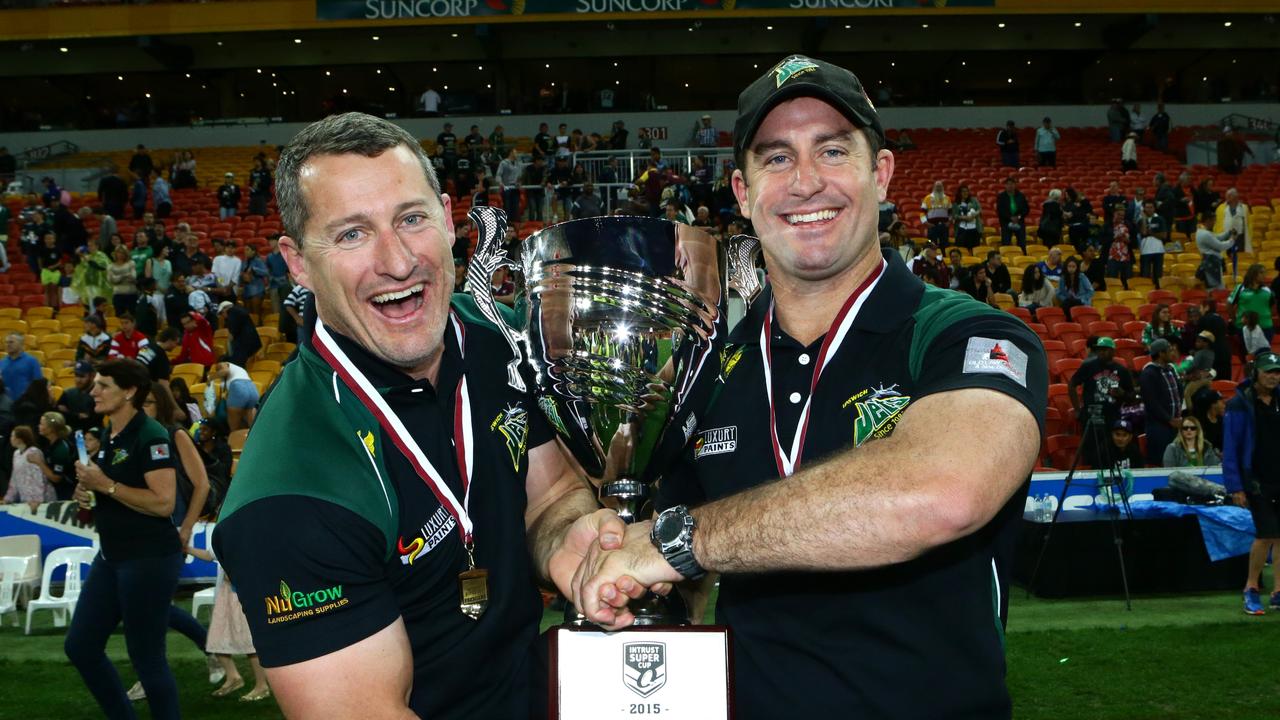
(879, 410)
(716, 441)
(553, 415)
(644, 667)
(431, 534)
(513, 424)
(120, 456)
(290, 605)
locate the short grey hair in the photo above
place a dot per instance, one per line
(353, 132)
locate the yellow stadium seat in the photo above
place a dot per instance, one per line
(264, 377)
(39, 313)
(37, 354)
(63, 355)
(44, 325)
(268, 335)
(197, 390)
(192, 368)
(284, 347)
(71, 311)
(270, 366)
(11, 326)
(48, 374)
(11, 313)
(66, 383)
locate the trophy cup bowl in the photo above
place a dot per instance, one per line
(623, 329)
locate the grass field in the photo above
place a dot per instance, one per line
(1195, 657)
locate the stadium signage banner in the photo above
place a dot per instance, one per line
(435, 9)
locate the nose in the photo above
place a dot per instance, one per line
(394, 255)
(808, 180)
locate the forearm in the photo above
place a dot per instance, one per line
(546, 536)
(143, 500)
(884, 503)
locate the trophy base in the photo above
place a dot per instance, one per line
(650, 609)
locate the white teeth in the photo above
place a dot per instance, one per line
(811, 217)
(400, 295)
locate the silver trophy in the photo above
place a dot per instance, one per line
(624, 323)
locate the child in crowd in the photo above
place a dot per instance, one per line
(26, 482)
(1255, 340)
(229, 635)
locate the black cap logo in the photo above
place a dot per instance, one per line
(791, 67)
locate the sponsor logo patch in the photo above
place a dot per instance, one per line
(716, 441)
(999, 357)
(160, 452)
(644, 667)
(432, 532)
(290, 605)
(791, 67)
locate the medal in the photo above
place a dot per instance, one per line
(473, 588)
(787, 463)
(473, 583)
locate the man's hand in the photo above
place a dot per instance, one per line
(601, 530)
(607, 579)
(1239, 499)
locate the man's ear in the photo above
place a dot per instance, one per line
(447, 203)
(294, 258)
(739, 184)
(883, 173)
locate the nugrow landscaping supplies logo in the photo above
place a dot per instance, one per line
(290, 605)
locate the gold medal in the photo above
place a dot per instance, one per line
(473, 587)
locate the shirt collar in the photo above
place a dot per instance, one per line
(893, 299)
(387, 377)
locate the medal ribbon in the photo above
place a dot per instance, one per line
(395, 429)
(788, 462)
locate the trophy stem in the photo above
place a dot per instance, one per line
(627, 496)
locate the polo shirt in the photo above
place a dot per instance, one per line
(126, 534)
(60, 461)
(331, 535)
(919, 639)
(18, 372)
(1259, 301)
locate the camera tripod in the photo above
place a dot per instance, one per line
(1108, 477)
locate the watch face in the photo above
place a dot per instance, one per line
(668, 527)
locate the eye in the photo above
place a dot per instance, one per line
(415, 219)
(775, 160)
(349, 236)
(834, 152)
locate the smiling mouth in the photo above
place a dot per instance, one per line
(399, 303)
(818, 216)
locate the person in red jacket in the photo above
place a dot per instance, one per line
(197, 340)
(128, 342)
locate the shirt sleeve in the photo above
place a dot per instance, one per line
(309, 574)
(993, 352)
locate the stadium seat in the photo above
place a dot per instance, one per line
(1102, 327)
(1066, 331)
(1062, 450)
(1065, 368)
(1226, 388)
(1119, 314)
(1085, 315)
(1134, 328)
(1050, 316)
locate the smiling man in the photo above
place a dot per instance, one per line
(376, 530)
(858, 478)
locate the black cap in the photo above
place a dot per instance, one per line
(800, 76)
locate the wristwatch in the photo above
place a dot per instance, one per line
(672, 534)
(112, 490)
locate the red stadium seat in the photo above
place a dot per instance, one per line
(1146, 311)
(1054, 350)
(1133, 329)
(1103, 327)
(1050, 316)
(1162, 296)
(1085, 315)
(1062, 450)
(1226, 388)
(1119, 314)
(1066, 331)
(1065, 368)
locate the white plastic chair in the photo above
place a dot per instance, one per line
(12, 571)
(204, 598)
(64, 605)
(27, 546)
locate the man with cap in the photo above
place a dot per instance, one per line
(75, 404)
(856, 566)
(1251, 470)
(706, 136)
(244, 341)
(228, 196)
(1161, 399)
(1107, 384)
(1120, 451)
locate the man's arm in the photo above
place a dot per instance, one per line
(370, 679)
(562, 518)
(884, 503)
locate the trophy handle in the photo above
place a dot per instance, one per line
(491, 227)
(742, 253)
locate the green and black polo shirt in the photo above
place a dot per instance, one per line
(922, 639)
(141, 447)
(329, 535)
